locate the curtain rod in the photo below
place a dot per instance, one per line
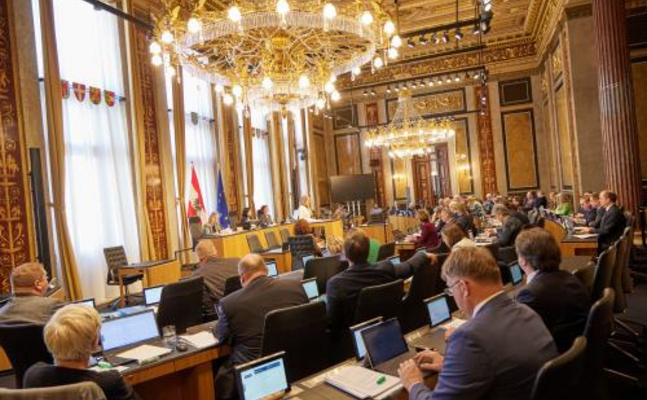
(99, 5)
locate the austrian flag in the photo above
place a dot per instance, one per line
(196, 204)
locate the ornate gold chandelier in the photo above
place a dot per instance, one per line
(409, 134)
(274, 55)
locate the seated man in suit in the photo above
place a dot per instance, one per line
(596, 213)
(215, 272)
(343, 289)
(241, 316)
(71, 336)
(559, 298)
(613, 222)
(28, 304)
(497, 353)
(510, 226)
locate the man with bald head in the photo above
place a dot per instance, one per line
(241, 316)
(28, 304)
(215, 271)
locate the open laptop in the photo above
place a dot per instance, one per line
(305, 258)
(152, 295)
(440, 316)
(312, 290)
(395, 260)
(517, 280)
(86, 302)
(272, 268)
(358, 341)
(385, 346)
(265, 378)
(120, 334)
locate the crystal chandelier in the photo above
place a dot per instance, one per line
(272, 55)
(409, 134)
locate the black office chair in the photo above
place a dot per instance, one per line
(300, 245)
(423, 285)
(586, 276)
(602, 278)
(232, 284)
(181, 304)
(233, 220)
(559, 378)
(272, 241)
(385, 251)
(506, 275)
(24, 346)
(115, 259)
(507, 255)
(300, 331)
(623, 246)
(380, 300)
(597, 332)
(322, 268)
(285, 234)
(254, 244)
(494, 249)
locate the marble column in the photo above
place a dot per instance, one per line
(617, 109)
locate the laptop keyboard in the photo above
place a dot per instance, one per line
(391, 367)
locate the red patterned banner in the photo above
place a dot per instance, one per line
(95, 95)
(65, 89)
(110, 97)
(79, 91)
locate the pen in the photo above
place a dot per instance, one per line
(381, 380)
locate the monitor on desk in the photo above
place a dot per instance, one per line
(358, 341)
(152, 295)
(262, 378)
(438, 309)
(272, 268)
(123, 332)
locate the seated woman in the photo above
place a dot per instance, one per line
(455, 237)
(213, 225)
(462, 217)
(245, 219)
(264, 217)
(428, 235)
(71, 335)
(565, 206)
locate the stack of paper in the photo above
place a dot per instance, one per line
(144, 352)
(201, 340)
(362, 382)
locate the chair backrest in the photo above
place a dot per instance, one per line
(272, 240)
(232, 284)
(507, 255)
(233, 220)
(630, 220)
(597, 331)
(603, 275)
(322, 268)
(115, 258)
(423, 285)
(380, 300)
(540, 222)
(494, 249)
(622, 262)
(300, 331)
(77, 391)
(300, 245)
(24, 346)
(559, 378)
(195, 229)
(181, 304)
(254, 244)
(285, 234)
(586, 275)
(386, 250)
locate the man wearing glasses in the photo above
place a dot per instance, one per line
(497, 353)
(28, 305)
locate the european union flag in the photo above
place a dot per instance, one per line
(222, 208)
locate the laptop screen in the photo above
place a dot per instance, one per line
(395, 260)
(125, 331)
(517, 276)
(384, 341)
(86, 302)
(438, 310)
(310, 287)
(358, 341)
(307, 258)
(262, 378)
(152, 295)
(272, 269)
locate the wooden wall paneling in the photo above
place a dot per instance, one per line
(442, 158)
(465, 181)
(565, 151)
(520, 148)
(344, 117)
(376, 156)
(514, 92)
(348, 153)
(321, 168)
(422, 180)
(639, 75)
(232, 160)
(399, 178)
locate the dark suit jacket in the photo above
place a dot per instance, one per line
(465, 222)
(561, 301)
(612, 226)
(495, 355)
(343, 289)
(595, 217)
(520, 216)
(507, 234)
(29, 309)
(215, 272)
(541, 202)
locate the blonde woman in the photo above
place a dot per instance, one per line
(304, 211)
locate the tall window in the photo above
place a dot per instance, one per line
(302, 165)
(99, 186)
(263, 189)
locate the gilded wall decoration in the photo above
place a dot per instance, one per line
(232, 140)
(372, 118)
(463, 157)
(639, 75)
(433, 104)
(486, 142)
(153, 182)
(520, 148)
(376, 158)
(556, 62)
(399, 178)
(14, 232)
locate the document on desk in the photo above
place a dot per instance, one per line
(361, 382)
(586, 236)
(201, 340)
(144, 352)
(119, 368)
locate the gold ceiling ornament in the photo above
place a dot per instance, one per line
(274, 55)
(409, 134)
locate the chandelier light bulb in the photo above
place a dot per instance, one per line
(366, 18)
(267, 83)
(304, 82)
(389, 28)
(321, 103)
(356, 71)
(219, 88)
(155, 48)
(237, 90)
(170, 71)
(240, 106)
(329, 11)
(396, 41)
(167, 37)
(378, 63)
(282, 7)
(329, 87)
(194, 25)
(157, 60)
(335, 96)
(228, 99)
(393, 53)
(234, 14)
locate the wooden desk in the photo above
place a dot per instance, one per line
(405, 250)
(383, 233)
(160, 273)
(283, 260)
(572, 246)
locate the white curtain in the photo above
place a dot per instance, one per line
(263, 188)
(99, 185)
(200, 139)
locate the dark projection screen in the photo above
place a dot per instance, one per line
(345, 188)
